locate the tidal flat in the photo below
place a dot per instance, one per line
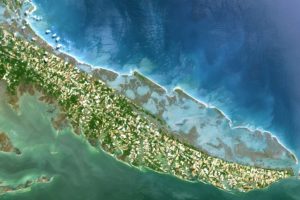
(182, 196)
(204, 127)
(79, 171)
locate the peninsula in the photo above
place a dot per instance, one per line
(112, 122)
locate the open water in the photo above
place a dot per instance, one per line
(238, 55)
(241, 56)
(81, 172)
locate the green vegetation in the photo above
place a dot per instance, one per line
(118, 125)
(12, 4)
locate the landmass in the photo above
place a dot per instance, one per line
(8, 149)
(116, 124)
(205, 128)
(6, 188)
(112, 122)
(6, 145)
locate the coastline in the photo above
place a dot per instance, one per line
(59, 66)
(90, 69)
(32, 90)
(39, 39)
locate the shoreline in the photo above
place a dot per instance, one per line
(116, 103)
(144, 169)
(69, 58)
(73, 59)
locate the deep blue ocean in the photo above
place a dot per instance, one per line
(240, 56)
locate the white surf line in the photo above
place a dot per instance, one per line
(168, 93)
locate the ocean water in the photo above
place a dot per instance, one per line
(240, 56)
(80, 172)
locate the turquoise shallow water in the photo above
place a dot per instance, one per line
(241, 56)
(84, 173)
